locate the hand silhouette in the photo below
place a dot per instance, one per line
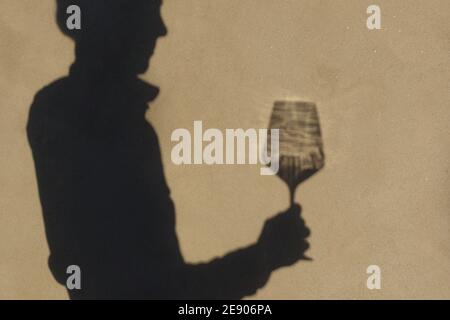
(283, 239)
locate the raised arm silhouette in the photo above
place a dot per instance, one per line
(105, 200)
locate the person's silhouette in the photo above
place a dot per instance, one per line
(105, 201)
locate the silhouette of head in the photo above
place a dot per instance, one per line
(116, 36)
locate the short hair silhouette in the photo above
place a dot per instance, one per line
(103, 16)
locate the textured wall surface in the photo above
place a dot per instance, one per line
(383, 98)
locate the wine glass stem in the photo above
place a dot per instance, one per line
(291, 195)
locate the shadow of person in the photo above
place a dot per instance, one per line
(105, 200)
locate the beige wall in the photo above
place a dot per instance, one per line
(383, 98)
